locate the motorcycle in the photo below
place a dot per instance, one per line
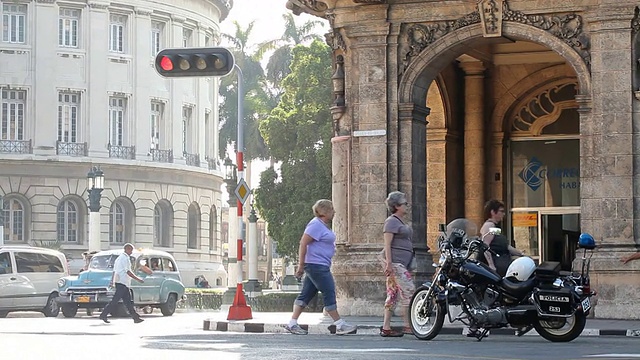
(556, 303)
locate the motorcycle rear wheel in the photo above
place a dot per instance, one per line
(561, 330)
(426, 315)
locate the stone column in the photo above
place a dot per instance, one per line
(496, 177)
(474, 162)
(609, 187)
(97, 52)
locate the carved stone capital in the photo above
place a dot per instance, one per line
(142, 11)
(313, 7)
(178, 19)
(335, 40)
(98, 5)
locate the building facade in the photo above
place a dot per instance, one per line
(534, 103)
(79, 89)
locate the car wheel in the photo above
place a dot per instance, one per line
(169, 307)
(52, 309)
(69, 311)
(3, 314)
(147, 310)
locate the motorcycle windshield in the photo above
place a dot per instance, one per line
(460, 230)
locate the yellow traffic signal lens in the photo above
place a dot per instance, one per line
(184, 64)
(201, 64)
(219, 63)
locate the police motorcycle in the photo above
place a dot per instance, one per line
(556, 303)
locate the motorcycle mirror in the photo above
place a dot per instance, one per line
(495, 231)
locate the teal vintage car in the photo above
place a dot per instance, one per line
(162, 287)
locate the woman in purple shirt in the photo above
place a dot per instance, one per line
(317, 247)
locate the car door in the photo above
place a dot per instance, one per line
(7, 280)
(24, 287)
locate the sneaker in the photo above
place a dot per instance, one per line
(138, 320)
(296, 329)
(346, 328)
(105, 319)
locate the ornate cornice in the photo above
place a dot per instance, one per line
(567, 27)
(98, 5)
(313, 7)
(142, 11)
(45, 1)
(225, 7)
(370, 1)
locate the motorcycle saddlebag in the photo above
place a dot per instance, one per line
(557, 302)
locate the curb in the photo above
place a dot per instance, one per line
(246, 327)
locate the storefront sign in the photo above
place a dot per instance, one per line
(535, 172)
(524, 219)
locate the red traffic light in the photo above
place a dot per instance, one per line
(166, 64)
(194, 62)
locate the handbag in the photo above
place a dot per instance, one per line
(413, 264)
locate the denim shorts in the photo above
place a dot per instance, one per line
(318, 278)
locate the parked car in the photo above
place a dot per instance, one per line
(162, 287)
(28, 279)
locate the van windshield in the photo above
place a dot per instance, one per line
(102, 262)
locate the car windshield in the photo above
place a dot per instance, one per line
(102, 262)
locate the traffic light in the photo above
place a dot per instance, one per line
(189, 62)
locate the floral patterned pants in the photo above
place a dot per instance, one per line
(400, 287)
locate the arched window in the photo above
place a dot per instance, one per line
(163, 224)
(213, 229)
(68, 223)
(193, 226)
(14, 219)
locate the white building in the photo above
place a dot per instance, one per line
(79, 89)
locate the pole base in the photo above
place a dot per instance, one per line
(239, 310)
(229, 296)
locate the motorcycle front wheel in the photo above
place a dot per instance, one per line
(561, 329)
(426, 315)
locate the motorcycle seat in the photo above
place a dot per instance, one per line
(518, 288)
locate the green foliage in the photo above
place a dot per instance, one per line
(201, 299)
(52, 244)
(298, 133)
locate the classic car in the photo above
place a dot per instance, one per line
(162, 287)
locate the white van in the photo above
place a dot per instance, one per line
(29, 279)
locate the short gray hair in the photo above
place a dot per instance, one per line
(321, 207)
(395, 198)
(128, 245)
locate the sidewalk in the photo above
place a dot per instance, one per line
(317, 323)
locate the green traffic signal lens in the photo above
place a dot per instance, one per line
(184, 64)
(219, 63)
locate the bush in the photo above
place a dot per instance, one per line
(211, 299)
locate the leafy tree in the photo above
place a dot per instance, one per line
(254, 95)
(298, 133)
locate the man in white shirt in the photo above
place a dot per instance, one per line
(122, 279)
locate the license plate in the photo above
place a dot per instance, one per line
(586, 305)
(83, 299)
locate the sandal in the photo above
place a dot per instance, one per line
(390, 333)
(407, 330)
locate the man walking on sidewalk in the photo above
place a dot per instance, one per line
(121, 277)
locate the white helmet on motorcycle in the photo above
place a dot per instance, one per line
(521, 268)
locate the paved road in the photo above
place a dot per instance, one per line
(26, 337)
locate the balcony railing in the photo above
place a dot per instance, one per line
(164, 156)
(192, 159)
(213, 164)
(16, 146)
(72, 149)
(122, 152)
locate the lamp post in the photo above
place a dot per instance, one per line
(95, 185)
(231, 179)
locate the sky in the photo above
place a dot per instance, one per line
(269, 25)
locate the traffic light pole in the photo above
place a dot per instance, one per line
(239, 310)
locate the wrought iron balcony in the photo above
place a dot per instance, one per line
(213, 164)
(192, 159)
(16, 146)
(164, 156)
(72, 149)
(122, 152)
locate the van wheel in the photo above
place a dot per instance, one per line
(69, 311)
(52, 309)
(169, 307)
(3, 314)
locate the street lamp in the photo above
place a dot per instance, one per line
(95, 185)
(231, 179)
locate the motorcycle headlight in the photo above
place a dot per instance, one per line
(61, 282)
